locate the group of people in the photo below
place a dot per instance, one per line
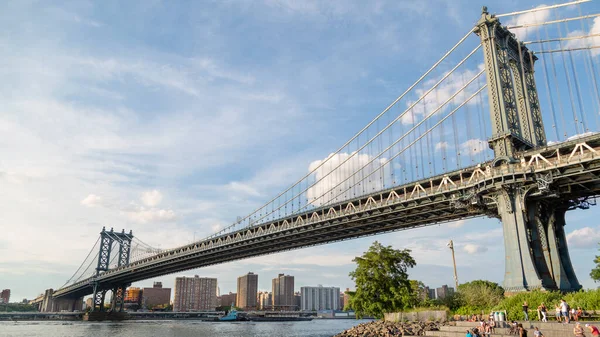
(563, 312)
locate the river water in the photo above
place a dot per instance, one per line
(314, 328)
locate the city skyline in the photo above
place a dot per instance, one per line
(108, 124)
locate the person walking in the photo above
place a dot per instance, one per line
(593, 329)
(564, 308)
(544, 312)
(557, 309)
(578, 330)
(525, 309)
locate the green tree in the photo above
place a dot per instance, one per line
(480, 294)
(382, 283)
(595, 273)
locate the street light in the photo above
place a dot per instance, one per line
(451, 246)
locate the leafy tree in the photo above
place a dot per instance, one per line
(382, 283)
(480, 294)
(595, 273)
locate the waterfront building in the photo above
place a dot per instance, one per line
(320, 298)
(431, 293)
(265, 300)
(342, 303)
(156, 297)
(133, 295)
(346, 299)
(247, 291)
(283, 292)
(195, 293)
(444, 291)
(297, 300)
(5, 296)
(228, 299)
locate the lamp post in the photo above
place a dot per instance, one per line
(451, 246)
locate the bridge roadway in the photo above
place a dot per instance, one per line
(569, 169)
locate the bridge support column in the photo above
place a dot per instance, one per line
(118, 298)
(98, 299)
(47, 304)
(536, 250)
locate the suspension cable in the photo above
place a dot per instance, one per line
(543, 8)
(357, 134)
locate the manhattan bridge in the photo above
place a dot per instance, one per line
(504, 125)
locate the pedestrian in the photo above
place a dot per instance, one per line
(544, 312)
(564, 308)
(557, 309)
(578, 330)
(522, 330)
(525, 308)
(593, 329)
(537, 332)
(469, 334)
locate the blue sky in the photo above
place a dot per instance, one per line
(174, 119)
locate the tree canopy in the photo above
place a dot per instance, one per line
(382, 283)
(480, 294)
(595, 273)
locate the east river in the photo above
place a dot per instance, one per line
(314, 328)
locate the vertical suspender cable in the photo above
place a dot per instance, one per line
(568, 78)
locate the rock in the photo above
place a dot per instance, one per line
(390, 329)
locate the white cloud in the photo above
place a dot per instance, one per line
(585, 237)
(528, 18)
(240, 187)
(586, 42)
(151, 198)
(92, 200)
(441, 146)
(473, 146)
(474, 249)
(216, 227)
(457, 224)
(338, 183)
(144, 216)
(430, 102)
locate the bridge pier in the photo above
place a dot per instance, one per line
(52, 304)
(537, 256)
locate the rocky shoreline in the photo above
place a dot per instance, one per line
(389, 329)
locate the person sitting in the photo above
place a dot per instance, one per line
(537, 332)
(514, 329)
(578, 330)
(522, 330)
(578, 313)
(469, 334)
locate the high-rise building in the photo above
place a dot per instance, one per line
(283, 292)
(320, 298)
(228, 299)
(431, 293)
(247, 291)
(297, 300)
(444, 292)
(157, 296)
(347, 299)
(265, 300)
(342, 301)
(5, 296)
(133, 295)
(195, 293)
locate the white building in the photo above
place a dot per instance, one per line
(320, 298)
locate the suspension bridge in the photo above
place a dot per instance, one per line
(431, 156)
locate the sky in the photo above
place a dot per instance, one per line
(173, 119)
